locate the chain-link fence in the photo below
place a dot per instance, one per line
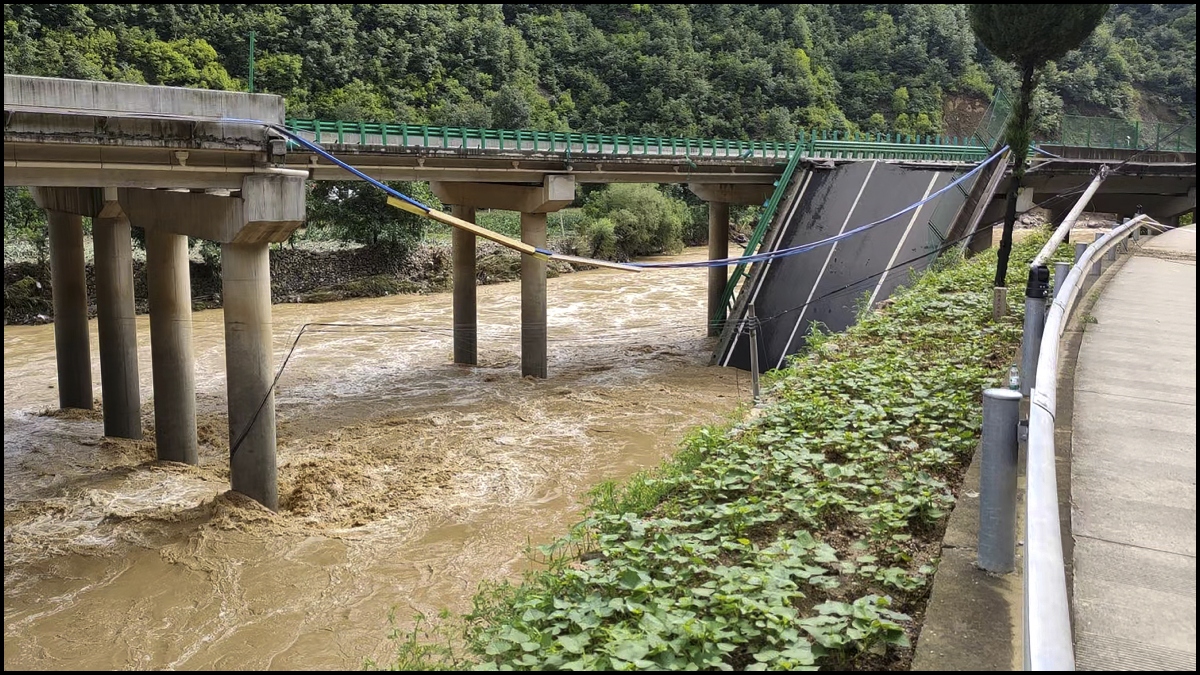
(1101, 132)
(1092, 132)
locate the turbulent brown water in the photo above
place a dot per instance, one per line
(404, 480)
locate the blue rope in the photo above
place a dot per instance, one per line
(322, 152)
(795, 250)
(720, 262)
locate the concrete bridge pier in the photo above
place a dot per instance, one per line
(466, 329)
(719, 196)
(170, 293)
(117, 325)
(718, 277)
(71, 342)
(267, 209)
(115, 318)
(533, 298)
(246, 297)
(533, 202)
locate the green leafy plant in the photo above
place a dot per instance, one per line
(804, 537)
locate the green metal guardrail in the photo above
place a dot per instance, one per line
(825, 144)
(760, 229)
(405, 135)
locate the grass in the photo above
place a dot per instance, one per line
(804, 537)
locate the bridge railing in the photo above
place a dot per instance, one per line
(464, 138)
(1047, 617)
(728, 299)
(821, 145)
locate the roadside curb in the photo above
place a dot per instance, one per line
(973, 620)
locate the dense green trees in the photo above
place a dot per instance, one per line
(739, 71)
(735, 71)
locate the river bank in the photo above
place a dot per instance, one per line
(803, 536)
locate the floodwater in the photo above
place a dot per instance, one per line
(404, 480)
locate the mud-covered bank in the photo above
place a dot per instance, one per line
(297, 275)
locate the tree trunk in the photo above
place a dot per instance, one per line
(1018, 137)
(1006, 237)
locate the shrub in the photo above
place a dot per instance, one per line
(644, 220)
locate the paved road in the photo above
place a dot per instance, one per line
(1133, 473)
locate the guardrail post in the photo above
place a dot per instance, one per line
(1096, 266)
(998, 481)
(752, 321)
(1036, 288)
(1079, 250)
(1061, 270)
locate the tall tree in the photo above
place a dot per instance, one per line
(1028, 36)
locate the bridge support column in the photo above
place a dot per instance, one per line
(465, 307)
(170, 291)
(718, 277)
(533, 202)
(71, 341)
(117, 325)
(246, 295)
(533, 298)
(719, 196)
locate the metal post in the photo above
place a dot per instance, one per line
(1079, 250)
(1036, 289)
(250, 74)
(1061, 270)
(753, 324)
(1097, 267)
(998, 480)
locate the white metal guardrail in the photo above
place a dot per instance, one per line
(1047, 628)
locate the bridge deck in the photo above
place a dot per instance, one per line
(1133, 466)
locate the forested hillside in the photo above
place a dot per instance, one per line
(736, 71)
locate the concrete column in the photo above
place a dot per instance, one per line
(71, 344)
(116, 319)
(246, 294)
(170, 291)
(533, 298)
(465, 323)
(718, 277)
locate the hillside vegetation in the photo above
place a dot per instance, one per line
(758, 72)
(735, 71)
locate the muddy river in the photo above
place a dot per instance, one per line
(404, 480)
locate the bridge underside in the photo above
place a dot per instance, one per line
(826, 285)
(1164, 190)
